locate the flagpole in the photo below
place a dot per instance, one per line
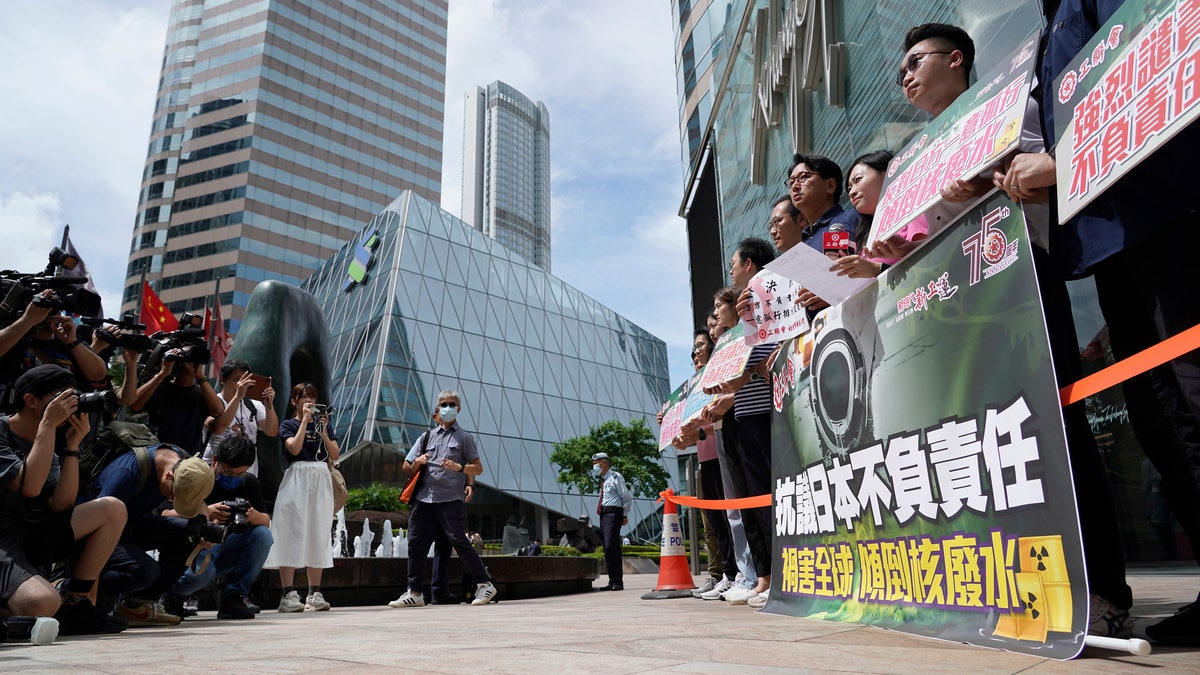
(66, 229)
(216, 311)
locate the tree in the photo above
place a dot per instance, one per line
(631, 449)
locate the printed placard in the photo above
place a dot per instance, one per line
(773, 314)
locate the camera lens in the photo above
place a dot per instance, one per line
(97, 401)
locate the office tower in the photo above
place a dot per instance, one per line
(280, 126)
(506, 170)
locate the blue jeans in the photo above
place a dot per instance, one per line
(239, 559)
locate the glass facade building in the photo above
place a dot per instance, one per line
(506, 170)
(280, 126)
(537, 362)
(833, 93)
(698, 36)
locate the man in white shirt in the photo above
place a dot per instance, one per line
(243, 416)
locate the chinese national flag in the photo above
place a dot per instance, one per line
(155, 314)
(221, 342)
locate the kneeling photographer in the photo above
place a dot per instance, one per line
(238, 529)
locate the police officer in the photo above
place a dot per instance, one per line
(615, 500)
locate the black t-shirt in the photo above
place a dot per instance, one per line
(313, 449)
(177, 414)
(13, 452)
(250, 490)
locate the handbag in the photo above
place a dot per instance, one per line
(410, 488)
(340, 492)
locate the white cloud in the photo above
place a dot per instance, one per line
(29, 227)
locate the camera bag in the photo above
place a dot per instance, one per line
(113, 441)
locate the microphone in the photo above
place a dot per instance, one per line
(837, 240)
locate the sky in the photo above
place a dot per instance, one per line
(80, 80)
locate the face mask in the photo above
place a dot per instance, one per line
(596, 470)
(448, 414)
(229, 482)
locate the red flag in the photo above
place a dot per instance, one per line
(207, 325)
(155, 314)
(221, 342)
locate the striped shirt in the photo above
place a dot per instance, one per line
(755, 397)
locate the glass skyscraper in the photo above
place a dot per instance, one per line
(419, 302)
(281, 126)
(506, 170)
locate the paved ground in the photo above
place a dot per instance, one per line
(593, 633)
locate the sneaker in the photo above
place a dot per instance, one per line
(1182, 629)
(147, 614)
(759, 600)
(738, 595)
(80, 617)
(484, 593)
(715, 593)
(1108, 620)
(709, 584)
(291, 603)
(178, 608)
(315, 602)
(235, 608)
(409, 599)
(251, 604)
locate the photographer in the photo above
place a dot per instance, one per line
(179, 399)
(107, 336)
(130, 571)
(237, 512)
(39, 465)
(243, 416)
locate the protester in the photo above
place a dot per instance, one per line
(304, 505)
(864, 188)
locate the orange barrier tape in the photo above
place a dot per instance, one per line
(719, 504)
(1173, 347)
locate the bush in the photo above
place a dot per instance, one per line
(375, 497)
(560, 551)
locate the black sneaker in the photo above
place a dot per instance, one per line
(251, 604)
(177, 607)
(78, 616)
(235, 608)
(446, 599)
(1182, 629)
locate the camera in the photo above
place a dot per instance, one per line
(321, 409)
(125, 332)
(189, 340)
(217, 532)
(18, 289)
(97, 401)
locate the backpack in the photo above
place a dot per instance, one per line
(113, 441)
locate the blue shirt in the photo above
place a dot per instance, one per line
(613, 491)
(443, 485)
(847, 218)
(313, 448)
(122, 478)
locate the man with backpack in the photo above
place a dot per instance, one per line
(143, 474)
(39, 522)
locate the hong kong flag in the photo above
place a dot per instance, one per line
(155, 314)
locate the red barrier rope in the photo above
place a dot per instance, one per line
(1173, 347)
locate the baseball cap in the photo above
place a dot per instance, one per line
(44, 379)
(193, 482)
(599, 456)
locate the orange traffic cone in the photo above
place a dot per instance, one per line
(674, 576)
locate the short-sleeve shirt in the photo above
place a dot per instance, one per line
(250, 490)
(443, 485)
(177, 416)
(13, 452)
(755, 397)
(249, 415)
(312, 450)
(122, 478)
(847, 218)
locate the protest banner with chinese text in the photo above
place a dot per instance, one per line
(728, 359)
(980, 128)
(672, 415)
(1135, 85)
(921, 474)
(773, 315)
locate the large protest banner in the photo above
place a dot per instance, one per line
(980, 128)
(1134, 87)
(921, 473)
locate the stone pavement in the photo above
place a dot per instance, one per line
(586, 633)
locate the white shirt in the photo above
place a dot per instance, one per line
(244, 423)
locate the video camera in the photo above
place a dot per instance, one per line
(18, 289)
(235, 524)
(125, 333)
(189, 340)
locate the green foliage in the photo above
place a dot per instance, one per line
(560, 551)
(375, 497)
(631, 449)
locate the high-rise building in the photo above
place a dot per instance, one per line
(280, 126)
(506, 170)
(698, 36)
(418, 302)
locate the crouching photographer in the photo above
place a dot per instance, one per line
(238, 529)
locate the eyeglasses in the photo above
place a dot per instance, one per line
(801, 177)
(914, 61)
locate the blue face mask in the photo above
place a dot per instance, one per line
(230, 482)
(448, 414)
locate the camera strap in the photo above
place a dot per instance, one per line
(196, 552)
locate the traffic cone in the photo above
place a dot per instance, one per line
(674, 576)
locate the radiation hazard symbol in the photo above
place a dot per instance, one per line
(1044, 556)
(1031, 621)
(1008, 136)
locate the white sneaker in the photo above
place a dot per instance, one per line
(715, 594)
(291, 603)
(484, 593)
(709, 584)
(315, 602)
(409, 599)
(759, 600)
(1107, 620)
(738, 595)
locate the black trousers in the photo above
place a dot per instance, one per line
(131, 572)
(424, 524)
(610, 539)
(711, 488)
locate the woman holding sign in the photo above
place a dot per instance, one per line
(864, 187)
